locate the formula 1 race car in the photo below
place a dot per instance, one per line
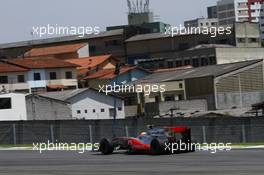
(155, 141)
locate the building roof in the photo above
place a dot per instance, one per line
(39, 63)
(108, 74)
(107, 33)
(148, 36)
(89, 62)
(5, 68)
(63, 95)
(214, 71)
(172, 69)
(68, 94)
(46, 97)
(62, 39)
(151, 36)
(53, 50)
(205, 46)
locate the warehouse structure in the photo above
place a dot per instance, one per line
(204, 55)
(224, 86)
(156, 45)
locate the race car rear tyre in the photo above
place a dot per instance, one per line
(106, 147)
(155, 147)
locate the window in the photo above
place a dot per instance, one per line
(180, 97)
(102, 110)
(68, 75)
(180, 86)
(204, 61)
(161, 65)
(169, 98)
(157, 99)
(78, 111)
(21, 79)
(5, 103)
(3, 79)
(170, 64)
(195, 62)
(241, 40)
(37, 76)
(178, 63)
(119, 108)
(53, 76)
(85, 111)
(253, 40)
(94, 110)
(187, 62)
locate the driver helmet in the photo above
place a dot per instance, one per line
(143, 133)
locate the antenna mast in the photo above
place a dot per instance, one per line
(138, 6)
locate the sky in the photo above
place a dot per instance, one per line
(18, 17)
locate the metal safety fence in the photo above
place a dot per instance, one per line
(234, 130)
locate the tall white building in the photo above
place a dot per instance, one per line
(230, 11)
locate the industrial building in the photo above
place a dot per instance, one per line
(204, 55)
(156, 45)
(223, 86)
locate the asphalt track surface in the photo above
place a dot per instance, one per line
(235, 162)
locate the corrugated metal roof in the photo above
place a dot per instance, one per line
(213, 70)
(68, 94)
(205, 46)
(148, 36)
(60, 39)
(163, 35)
(63, 95)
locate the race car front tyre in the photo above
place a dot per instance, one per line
(106, 147)
(155, 147)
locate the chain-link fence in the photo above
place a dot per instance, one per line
(204, 130)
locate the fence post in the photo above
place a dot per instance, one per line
(52, 133)
(91, 136)
(126, 130)
(14, 133)
(244, 139)
(204, 134)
